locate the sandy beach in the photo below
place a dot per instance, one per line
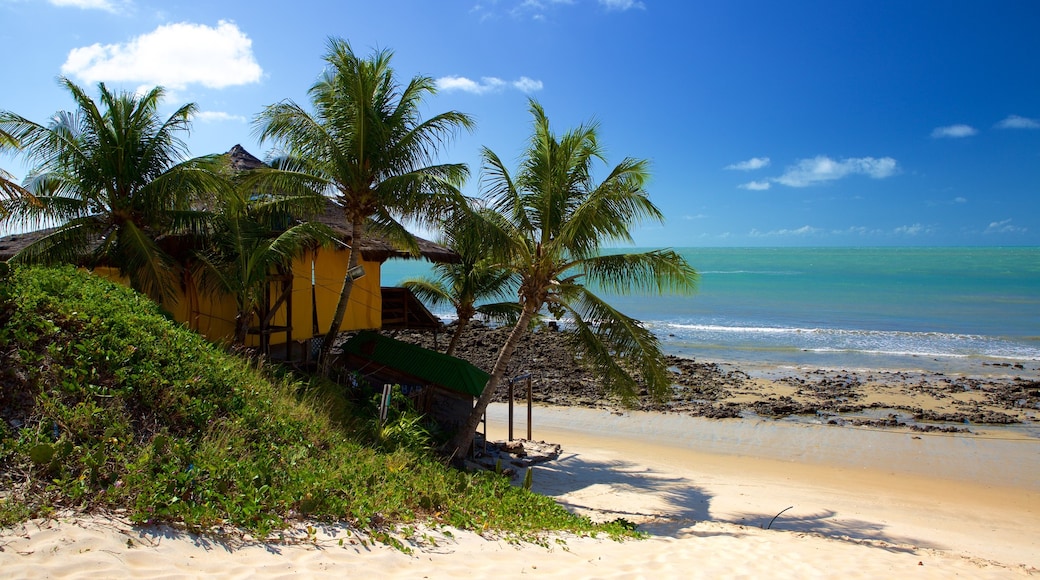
(869, 505)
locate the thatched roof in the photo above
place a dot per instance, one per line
(375, 247)
(242, 160)
(11, 245)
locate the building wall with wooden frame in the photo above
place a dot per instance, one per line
(317, 278)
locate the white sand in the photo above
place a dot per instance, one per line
(876, 508)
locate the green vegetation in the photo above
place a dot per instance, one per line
(106, 404)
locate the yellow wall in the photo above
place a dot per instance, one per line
(214, 315)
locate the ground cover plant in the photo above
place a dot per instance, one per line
(108, 405)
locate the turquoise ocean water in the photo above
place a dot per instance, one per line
(964, 310)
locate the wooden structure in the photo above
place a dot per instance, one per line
(440, 386)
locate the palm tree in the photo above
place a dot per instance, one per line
(116, 177)
(551, 220)
(476, 277)
(254, 234)
(8, 188)
(367, 143)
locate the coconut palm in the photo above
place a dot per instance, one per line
(8, 188)
(551, 220)
(367, 143)
(253, 235)
(116, 177)
(476, 277)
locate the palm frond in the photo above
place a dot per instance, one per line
(502, 312)
(150, 270)
(428, 290)
(62, 246)
(605, 336)
(655, 271)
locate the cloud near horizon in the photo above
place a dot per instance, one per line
(487, 85)
(802, 231)
(953, 132)
(1004, 227)
(749, 165)
(1017, 122)
(174, 56)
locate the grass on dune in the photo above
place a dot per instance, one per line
(108, 405)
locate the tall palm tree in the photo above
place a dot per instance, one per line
(116, 176)
(551, 220)
(367, 143)
(476, 277)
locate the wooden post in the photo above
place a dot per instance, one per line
(510, 410)
(529, 438)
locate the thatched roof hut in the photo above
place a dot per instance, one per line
(375, 248)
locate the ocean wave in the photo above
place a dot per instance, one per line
(752, 272)
(896, 343)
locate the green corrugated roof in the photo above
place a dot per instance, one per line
(434, 367)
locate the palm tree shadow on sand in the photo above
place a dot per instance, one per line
(670, 506)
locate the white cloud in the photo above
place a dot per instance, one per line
(822, 168)
(750, 164)
(802, 231)
(1004, 227)
(960, 200)
(486, 85)
(218, 117)
(173, 55)
(755, 185)
(622, 5)
(527, 85)
(857, 231)
(954, 131)
(105, 5)
(1016, 122)
(912, 230)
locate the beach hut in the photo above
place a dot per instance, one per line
(441, 387)
(302, 299)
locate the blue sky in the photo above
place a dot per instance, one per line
(767, 123)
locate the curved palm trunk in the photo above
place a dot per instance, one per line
(460, 444)
(324, 360)
(460, 327)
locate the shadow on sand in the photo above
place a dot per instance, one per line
(669, 506)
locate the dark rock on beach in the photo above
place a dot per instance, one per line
(711, 390)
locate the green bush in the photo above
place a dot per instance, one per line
(107, 404)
